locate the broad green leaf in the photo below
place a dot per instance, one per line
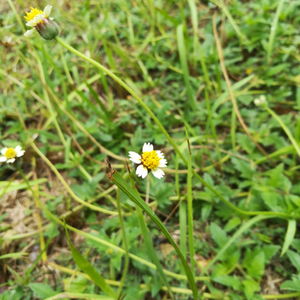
(291, 285)
(255, 264)
(42, 290)
(79, 284)
(250, 287)
(232, 223)
(294, 258)
(218, 234)
(230, 281)
(272, 199)
(270, 251)
(88, 269)
(246, 169)
(289, 236)
(236, 235)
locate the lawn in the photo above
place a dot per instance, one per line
(149, 150)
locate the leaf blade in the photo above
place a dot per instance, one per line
(289, 236)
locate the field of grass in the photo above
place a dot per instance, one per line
(215, 86)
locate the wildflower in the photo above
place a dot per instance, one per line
(9, 155)
(260, 100)
(150, 160)
(40, 21)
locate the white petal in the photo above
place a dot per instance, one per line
(158, 173)
(47, 10)
(3, 151)
(3, 158)
(18, 148)
(20, 153)
(162, 163)
(147, 147)
(37, 19)
(141, 171)
(10, 161)
(160, 154)
(29, 32)
(134, 157)
(30, 24)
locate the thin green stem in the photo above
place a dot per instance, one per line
(283, 296)
(147, 196)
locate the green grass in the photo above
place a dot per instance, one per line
(75, 220)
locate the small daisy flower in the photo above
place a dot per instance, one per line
(150, 160)
(40, 21)
(9, 155)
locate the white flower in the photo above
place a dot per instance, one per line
(150, 160)
(36, 16)
(39, 20)
(9, 155)
(261, 100)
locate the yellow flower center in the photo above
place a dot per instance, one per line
(10, 153)
(32, 14)
(150, 160)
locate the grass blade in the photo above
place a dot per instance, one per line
(88, 269)
(151, 251)
(289, 236)
(226, 12)
(79, 296)
(184, 66)
(273, 30)
(190, 206)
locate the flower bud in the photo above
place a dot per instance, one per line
(48, 29)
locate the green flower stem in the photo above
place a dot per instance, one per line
(164, 131)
